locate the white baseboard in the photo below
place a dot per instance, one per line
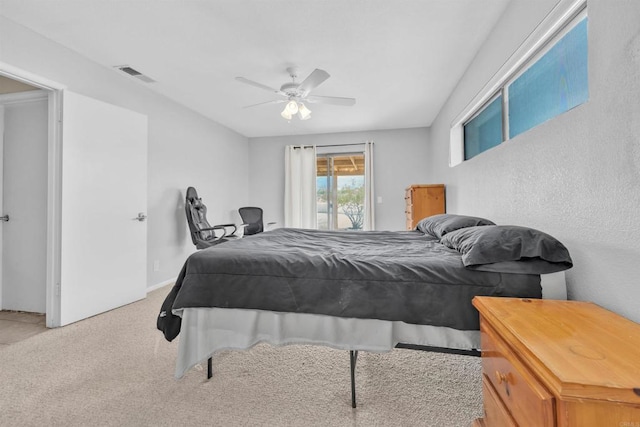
(160, 285)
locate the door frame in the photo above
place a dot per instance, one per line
(54, 184)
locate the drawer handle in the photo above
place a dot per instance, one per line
(500, 377)
(504, 378)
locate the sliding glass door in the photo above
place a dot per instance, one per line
(340, 190)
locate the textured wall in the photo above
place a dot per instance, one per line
(576, 176)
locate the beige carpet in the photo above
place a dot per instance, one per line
(116, 369)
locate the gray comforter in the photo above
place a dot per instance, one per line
(406, 276)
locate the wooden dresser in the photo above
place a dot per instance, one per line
(557, 363)
(422, 201)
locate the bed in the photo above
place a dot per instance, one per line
(358, 291)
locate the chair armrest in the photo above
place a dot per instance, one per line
(225, 226)
(215, 227)
(239, 231)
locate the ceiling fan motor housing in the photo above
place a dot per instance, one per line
(291, 89)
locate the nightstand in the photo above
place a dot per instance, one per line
(557, 363)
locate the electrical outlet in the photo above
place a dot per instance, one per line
(156, 265)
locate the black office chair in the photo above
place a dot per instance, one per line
(203, 234)
(252, 217)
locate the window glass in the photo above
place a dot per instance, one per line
(484, 131)
(340, 191)
(554, 84)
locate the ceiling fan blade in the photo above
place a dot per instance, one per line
(258, 85)
(314, 79)
(334, 100)
(275, 101)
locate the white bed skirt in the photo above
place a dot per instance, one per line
(205, 331)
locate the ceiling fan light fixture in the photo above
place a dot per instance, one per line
(292, 107)
(285, 113)
(303, 112)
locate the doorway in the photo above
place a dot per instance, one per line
(103, 267)
(23, 196)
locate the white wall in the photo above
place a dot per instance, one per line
(399, 161)
(577, 176)
(185, 149)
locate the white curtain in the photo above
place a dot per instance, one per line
(369, 222)
(300, 187)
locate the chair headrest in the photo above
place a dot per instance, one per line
(197, 203)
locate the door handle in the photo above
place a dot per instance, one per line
(141, 216)
(4, 218)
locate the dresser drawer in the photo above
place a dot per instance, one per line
(523, 396)
(495, 413)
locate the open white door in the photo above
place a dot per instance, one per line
(1, 198)
(23, 191)
(104, 190)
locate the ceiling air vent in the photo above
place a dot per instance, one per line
(135, 73)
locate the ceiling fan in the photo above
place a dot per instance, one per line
(296, 94)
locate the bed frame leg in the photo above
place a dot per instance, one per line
(209, 368)
(353, 356)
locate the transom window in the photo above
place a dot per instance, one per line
(550, 80)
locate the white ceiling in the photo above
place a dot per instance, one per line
(400, 59)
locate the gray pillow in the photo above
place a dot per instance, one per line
(439, 225)
(509, 249)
